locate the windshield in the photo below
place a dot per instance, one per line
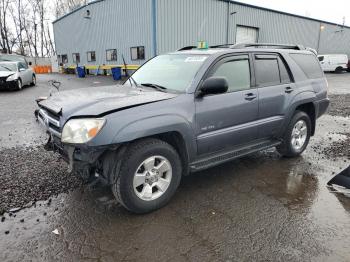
(8, 67)
(174, 72)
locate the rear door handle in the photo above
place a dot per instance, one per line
(288, 90)
(250, 96)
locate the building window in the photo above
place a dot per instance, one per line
(76, 58)
(111, 54)
(91, 56)
(64, 59)
(138, 53)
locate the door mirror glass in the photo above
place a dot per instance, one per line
(214, 85)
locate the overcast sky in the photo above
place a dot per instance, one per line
(330, 10)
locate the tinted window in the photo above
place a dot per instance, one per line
(309, 65)
(284, 75)
(320, 58)
(237, 73)
(267, 70)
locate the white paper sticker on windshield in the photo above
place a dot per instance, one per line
(195, 59)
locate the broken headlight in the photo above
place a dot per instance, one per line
(79, 131)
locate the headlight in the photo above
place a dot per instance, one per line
(79, 131)
(12, 77)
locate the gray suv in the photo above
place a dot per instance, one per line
(187, 111)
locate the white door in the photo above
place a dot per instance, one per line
(245, 34)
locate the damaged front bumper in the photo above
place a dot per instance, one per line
(83, 160)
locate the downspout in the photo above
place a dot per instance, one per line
(228, 22)
(154, 26)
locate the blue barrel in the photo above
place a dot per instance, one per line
(116, 73)
(81, 71)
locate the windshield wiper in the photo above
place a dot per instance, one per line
(155, 86)
(7, 68)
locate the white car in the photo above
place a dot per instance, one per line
(333, 63)
(15, 75)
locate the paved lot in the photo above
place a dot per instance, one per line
(258, 208)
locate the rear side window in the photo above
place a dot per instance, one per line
(267, 70)
(309, 64)
(237, 73)
(320, 58)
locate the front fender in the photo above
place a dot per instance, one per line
(158, 125)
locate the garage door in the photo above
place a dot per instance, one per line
(246, 34)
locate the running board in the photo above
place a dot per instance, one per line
(228, 156)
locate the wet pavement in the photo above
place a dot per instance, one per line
(258, 208)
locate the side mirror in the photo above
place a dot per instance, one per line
(214, 85)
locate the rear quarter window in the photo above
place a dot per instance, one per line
(309, 64)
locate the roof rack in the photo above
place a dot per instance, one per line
(221, 46)
(190, 47)
(267, 45)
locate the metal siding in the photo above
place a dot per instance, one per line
(122, 24)
(113, 24)
(185, 22)
(282, 28)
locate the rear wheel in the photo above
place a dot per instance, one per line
(149, 176)
(338, 70)
(297, 135)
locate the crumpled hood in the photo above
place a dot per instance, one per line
(95, 101)
(6, 73)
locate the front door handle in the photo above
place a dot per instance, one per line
(250, 96)
(288, 90)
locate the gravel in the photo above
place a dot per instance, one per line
(340, 105)
(338, 148)
(31, 174)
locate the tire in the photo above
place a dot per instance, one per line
(33, 83)
(339, 70)
(290, 147)
(19, 84)
(132, 186)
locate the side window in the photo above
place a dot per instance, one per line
(309, 64)
(20, 66)
(64, 59)
(237, 73)
(76, 58)
(91, 56)
(267, 70)
(137, 53)
(111, 54)
(284, 74)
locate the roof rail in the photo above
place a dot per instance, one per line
(190, 47)
(267, 45)
(221, 46)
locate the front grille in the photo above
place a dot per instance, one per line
(50, 121)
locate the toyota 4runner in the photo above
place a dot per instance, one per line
(187, 111)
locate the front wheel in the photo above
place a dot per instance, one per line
(297, 135)
(33, 83)
(19, 84)
(149, 176)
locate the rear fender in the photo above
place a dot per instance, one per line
(299, 99)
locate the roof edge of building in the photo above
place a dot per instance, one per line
(76, 10)
(284, 13)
